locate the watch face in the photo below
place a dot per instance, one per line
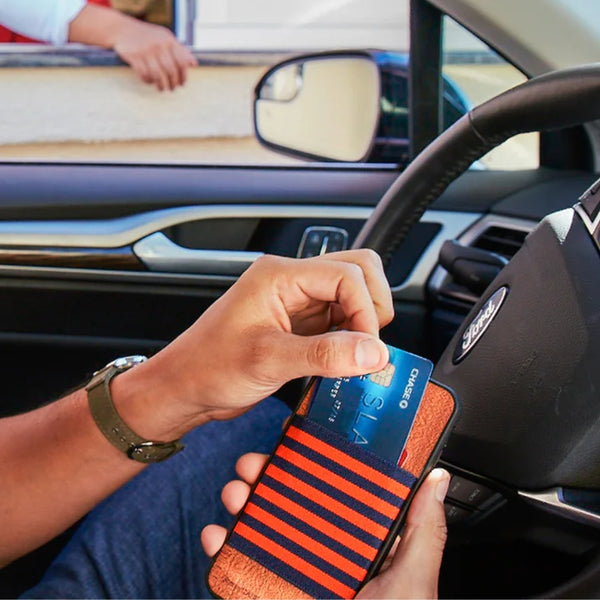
(126, 362)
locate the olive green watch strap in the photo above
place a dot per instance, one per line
(116, 431)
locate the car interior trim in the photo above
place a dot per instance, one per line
(470, 235)
(591, 226)
(186, 266)
(93, 258)
(66, 274)
(324, 233)
(553, 501)
(115, 343)
(121, 231)
(159, 253)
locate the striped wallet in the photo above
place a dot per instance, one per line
(324, 512)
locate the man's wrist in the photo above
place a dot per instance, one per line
(152, 403)
(109, 420)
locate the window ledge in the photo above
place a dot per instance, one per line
(79, 55)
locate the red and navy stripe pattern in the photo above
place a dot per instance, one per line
(321, 511)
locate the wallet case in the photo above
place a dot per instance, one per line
(324, 511)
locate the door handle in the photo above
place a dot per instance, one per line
(159, 253)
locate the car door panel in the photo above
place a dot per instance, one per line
(75, 292)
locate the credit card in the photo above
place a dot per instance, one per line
(375, 411)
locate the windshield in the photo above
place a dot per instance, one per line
(535, 35)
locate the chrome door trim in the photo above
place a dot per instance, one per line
(123, 231)
(552, 500)
(159, 253)
(129, 230)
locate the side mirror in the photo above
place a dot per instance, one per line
(324, 106)
(344, 106)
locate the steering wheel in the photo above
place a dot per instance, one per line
(524, 363)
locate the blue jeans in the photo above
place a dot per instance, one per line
(144, 540)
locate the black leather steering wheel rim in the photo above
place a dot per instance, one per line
(553, 101)
(559, 99)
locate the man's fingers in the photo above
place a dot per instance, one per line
(249, 466)
(212, 538)
(305, 283)
(425, 536)
(234, 495)
(236, 492)
(428, 504)
(372, 267)
(344, 283)
(305, 295)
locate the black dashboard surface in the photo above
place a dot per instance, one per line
(79, 191)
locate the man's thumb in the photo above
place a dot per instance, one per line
(334, 354)
(419, 556)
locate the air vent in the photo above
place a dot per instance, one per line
(503, 236)
(451, 300)
(500, 240)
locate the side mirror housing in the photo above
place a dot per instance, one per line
(324, 106)
(343, 106)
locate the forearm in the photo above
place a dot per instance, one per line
(55, 464)
(99, 26)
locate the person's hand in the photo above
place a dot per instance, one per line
(270, 327)
(411, 570)
(154, 53)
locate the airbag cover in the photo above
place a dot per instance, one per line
(530, 386)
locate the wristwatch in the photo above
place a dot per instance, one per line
(110, 423)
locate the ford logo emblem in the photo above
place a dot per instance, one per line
(478, 326)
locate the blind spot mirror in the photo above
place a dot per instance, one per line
(324, 107)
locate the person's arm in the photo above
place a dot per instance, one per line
(268, 328)
(40, 19)
(152, 51)
(412, 568)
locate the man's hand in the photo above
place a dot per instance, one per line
(270, 327)
(411, 569)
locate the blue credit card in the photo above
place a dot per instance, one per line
(376, 411)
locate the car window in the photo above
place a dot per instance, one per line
(74, 103)
(478, 74)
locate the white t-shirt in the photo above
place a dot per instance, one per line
(46, 20)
